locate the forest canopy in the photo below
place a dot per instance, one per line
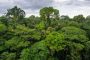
(48, 37)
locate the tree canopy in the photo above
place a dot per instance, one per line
(48, 37)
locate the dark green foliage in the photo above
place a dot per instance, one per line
(74, 34)
(79, 18)
(15, 13)
(8, 56)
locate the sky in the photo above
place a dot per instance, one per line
(32, 7)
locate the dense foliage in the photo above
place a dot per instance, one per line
(48, 37)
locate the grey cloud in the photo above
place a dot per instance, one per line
(87, 0)
(33, 4)
(4, 7)
(78, 3)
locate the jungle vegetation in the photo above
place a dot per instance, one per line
(48, 37)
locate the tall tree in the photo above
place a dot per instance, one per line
(47, 13)
(15, 13)
(79, 18)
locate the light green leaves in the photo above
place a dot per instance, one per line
(74, 34)
(3, 28)
(55, 41)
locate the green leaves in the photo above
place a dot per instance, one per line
(25, 32)
(3, 28)
(74, 34)
(38, 51)
(25, 54)
(55, 41)
(15, 13)
(16, 43)
(75, 38)
(41, 26)
(8, 56)
(47, 14)
(79, 18)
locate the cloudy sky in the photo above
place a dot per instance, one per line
(66, 7)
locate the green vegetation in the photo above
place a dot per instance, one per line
(48, 37)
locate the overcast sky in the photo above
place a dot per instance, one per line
(66, 7)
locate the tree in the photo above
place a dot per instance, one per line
(40, 26)
(55, 41)
(88, 18)
(86, 27)
(15, 44)
(25, 54)
(63, 17)
(8, 56)
(38, 51)
(79, 18)
(76, 34)
(4, 20)
(75, 39)
(32, 21)
(3, 28)
(87, 50)
(15, 13)
(47, 13)
(56, 14)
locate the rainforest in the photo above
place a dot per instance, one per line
(48, 36)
